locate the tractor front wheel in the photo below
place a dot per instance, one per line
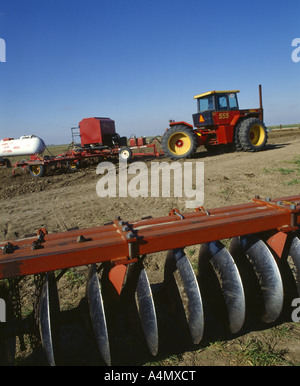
(179, 142)
(252, 135)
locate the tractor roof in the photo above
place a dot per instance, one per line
(215, 92)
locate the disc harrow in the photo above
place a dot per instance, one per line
(248, 265)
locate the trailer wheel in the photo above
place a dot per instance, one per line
(37, 170)
(125, 154)
(179, 142)
(7, 163)
(252, 135)
(73, 165)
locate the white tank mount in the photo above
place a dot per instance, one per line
(26, 145)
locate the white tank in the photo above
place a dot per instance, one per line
(26, 145)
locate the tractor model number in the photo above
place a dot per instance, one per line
(223, 115)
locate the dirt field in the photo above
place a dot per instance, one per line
(60, 201)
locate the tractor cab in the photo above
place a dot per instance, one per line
(212, 101)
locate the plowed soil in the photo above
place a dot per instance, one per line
(62, 200)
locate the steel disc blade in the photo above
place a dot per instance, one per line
(147, 313)
(97, 314)
(268, 275)
(45, 314)
(189, 292)
(7, 344)
(295, 255)
(229, 281)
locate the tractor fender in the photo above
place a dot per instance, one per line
(237, 121)
(181, 123)
(239, 118)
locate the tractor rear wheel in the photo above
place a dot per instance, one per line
(179, 142)
(252, 135)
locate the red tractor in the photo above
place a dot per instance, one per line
(219, 121)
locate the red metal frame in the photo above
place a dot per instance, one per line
(122, 243)
(82, 154)
(181, 123)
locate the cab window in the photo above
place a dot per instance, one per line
(233, 104)
(206, 103)
(222, 102)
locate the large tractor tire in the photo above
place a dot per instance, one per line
(179, 142)
(236, 145)
(252, 135)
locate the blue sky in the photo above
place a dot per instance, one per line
(140, 62)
